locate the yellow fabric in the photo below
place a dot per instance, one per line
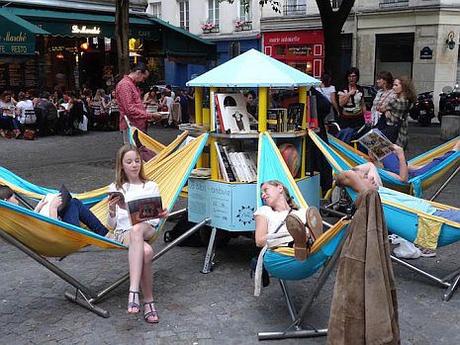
(437, 152)
(322, 240)
(45, 238)
(165, 151)
(428, 232)
(167, 173)
(148, 141)
(52, 240)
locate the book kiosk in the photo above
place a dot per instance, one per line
(228, 197)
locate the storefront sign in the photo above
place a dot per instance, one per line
(426, 53)
(15, 43)
(83, 29)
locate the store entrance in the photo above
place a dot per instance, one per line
(394, 53)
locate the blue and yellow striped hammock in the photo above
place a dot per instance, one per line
(281, 262)
(30, 190)
(424, 229)
(415, 185)
(54, 238)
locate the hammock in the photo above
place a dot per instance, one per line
(39, 236)
(28, 189)
(281, 263)
(410, 223)
(415, 185)
(161, 151)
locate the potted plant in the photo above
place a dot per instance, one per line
(208, 27)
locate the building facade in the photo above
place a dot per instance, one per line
(71, 45)
(233, 27)
(418, 38)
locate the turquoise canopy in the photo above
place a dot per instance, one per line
(253, 69)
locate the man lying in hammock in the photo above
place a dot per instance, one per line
(360, 182)
(73, 213)
(396, 164)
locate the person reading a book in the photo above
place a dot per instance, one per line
(130, 182)
(396, 165)
(72, 212)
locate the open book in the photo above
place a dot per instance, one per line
(377, 143)
(141, 207)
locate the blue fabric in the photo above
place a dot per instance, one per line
(429, 166)
(391, 163)
(76, 212)
(453, 215)
(407, 200)
(346, 134)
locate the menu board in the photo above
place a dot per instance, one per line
(16, 75)
(3, 81)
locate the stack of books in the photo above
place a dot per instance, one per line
(236, 166)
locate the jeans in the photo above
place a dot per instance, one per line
(76, 212)
(8, 123)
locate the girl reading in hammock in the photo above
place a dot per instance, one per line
(130, 180)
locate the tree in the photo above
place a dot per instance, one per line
(332, 22)
(122, 35)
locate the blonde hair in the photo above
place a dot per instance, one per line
(120, 176)
(287, 195)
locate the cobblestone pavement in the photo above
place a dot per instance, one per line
(217, 308)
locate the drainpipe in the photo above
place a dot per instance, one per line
(355, 40)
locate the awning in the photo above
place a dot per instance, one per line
(176, 41)
(17, 36)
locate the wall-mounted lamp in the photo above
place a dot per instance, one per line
(450, 40)
(59, 56)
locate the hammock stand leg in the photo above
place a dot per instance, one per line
(450, 282)
(210, 253)
(444, 185)
(102, 293)
(299, 332)
(81, 290)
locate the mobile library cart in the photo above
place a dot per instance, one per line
(228, 197)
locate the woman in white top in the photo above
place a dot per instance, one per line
(25, 110)
(281, 223)
(130, 180)
(328, 91)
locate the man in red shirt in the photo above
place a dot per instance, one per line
(130, 102)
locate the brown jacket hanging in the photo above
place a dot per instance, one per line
(364, 306)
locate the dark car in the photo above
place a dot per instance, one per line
(369, 94)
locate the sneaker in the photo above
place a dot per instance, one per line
(427, 253)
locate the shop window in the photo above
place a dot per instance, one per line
(213, 12)
(184, 14)
(300, 50)
(280, 50)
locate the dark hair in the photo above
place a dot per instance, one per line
(139, 67)
(21, 96)
(326, 79)
(352, 70)
(250, 92)
(5, 192)
(387, 76)
(45, 94)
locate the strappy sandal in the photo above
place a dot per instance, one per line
(151, 313)
(132, 303)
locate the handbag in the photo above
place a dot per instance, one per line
(29, 134)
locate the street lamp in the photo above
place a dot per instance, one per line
(450, 40)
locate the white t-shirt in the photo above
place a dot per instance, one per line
(27, 113)
(327, 91)
(274, 219)
(121, 221)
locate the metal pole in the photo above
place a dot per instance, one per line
(207, 266)
(338, 213)
(290, 304)
(41, 260)
(293, 334)
(24, 201)
(419, 271)
(120, 281)
(177, 213)
(444, 185)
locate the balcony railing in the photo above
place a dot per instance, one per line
(393, 3)
(295, 10)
